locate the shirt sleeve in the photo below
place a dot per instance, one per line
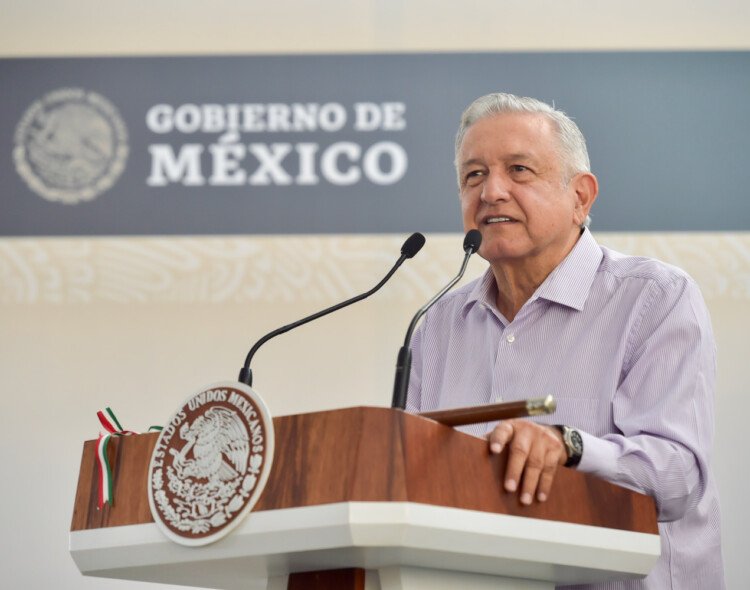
(414, 393)
(663, 408)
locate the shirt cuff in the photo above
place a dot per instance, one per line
(599, 457)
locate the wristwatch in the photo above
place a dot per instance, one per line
(573, 444)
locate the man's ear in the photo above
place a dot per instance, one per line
(586, 189)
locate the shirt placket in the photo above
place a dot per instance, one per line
(507, 385)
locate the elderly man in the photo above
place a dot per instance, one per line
(624, 344)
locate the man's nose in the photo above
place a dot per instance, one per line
(496, 188)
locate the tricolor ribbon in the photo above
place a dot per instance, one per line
(112, 426)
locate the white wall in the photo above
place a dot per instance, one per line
(90, 27)
(76, 335)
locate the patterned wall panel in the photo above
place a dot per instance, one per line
(301, 268)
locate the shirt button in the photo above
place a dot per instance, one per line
(510, 338)
(499, 399)
(482, 306)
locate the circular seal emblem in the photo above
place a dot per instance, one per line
(70, 146)
(210, 463)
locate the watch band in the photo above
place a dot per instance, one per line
(573, 444)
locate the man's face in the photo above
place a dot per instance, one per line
(512, 190)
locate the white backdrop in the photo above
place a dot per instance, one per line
(139, 324)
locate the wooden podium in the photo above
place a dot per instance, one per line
(372, 498)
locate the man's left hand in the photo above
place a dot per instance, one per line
(534, 453)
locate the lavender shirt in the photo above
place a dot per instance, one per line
(625, 345)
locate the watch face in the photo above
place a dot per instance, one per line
(573, 444)
(576, 442)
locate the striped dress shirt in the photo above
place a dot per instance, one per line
(625, 345)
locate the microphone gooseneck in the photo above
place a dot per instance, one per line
(409, 249)
(472, 241)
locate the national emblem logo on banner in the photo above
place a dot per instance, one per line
(211, 463)
(70, 146)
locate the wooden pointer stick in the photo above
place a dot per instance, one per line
(490, 413)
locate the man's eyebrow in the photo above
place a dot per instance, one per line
(520, 156)
(505, 158)
(471, 162)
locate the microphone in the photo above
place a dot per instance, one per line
(411, 246)
(472, 241)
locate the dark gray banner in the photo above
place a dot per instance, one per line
(352, 143)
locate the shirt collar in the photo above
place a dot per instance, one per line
(568, 284)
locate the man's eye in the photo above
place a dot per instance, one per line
(519, 168)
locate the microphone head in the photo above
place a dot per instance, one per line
(412, 245)
(472, 241)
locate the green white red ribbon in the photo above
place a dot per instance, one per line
(110, 423)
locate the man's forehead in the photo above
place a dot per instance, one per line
(513, 135)
(531, 125)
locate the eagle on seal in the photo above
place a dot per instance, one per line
(220, 446)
